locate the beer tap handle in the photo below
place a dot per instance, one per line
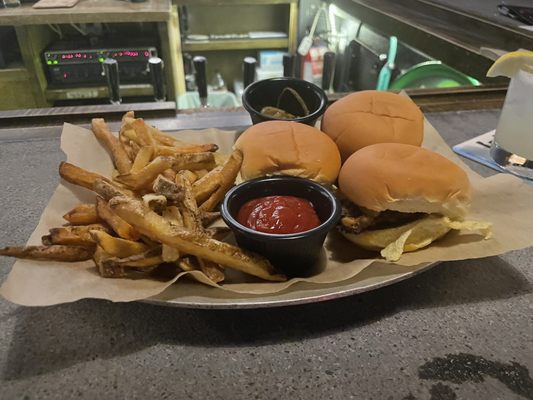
(200, 75)
(113, 81)
(249, 64)
(288, 65)
(327, 70)
(155, 64)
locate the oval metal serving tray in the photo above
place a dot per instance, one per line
(189, 294)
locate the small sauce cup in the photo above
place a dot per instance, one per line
(294, 254)
(268, 92)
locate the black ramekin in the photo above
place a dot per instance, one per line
(266, 93)
(294, 254)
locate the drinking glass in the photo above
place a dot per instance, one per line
(512, 147)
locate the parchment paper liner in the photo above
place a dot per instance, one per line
(504, 200)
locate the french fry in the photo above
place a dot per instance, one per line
(128, 118)
(168, 188)
(220, 159)
(212, 270)
(133, 262)
(188, 264)
(129, 150)
(192, 221)
(125, 143)
(170, 254)
(193, 161)
(156, 202)
(201, 173)
(217, 232)
(189, 209)
(149, 258)
(163, 150)
(164, 139)
(117, 247)
(78, 235)
(135, 148)
(161, 138)
(107, 271)
(204, 187)
(189, 220)
(108, 190)
(82, 230)
(132, 138)
(171, 141)
(189, 175)
(229, 173)
(49, 253)
(173, 215)
(121, 227)
(129, 134)
(128, 266)
(149, 242)
(169, 174)
(146, 176)
(89, 180)
(192, 242)
(143, 157)
(120, 157)
(143, 133)
(84, 214)
(79, 176)
(208, 217)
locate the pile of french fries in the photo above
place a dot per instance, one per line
(154, 212)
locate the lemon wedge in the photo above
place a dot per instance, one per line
(510, 63)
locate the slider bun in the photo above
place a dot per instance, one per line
(288, 148)
(367, 117)
(405, 178)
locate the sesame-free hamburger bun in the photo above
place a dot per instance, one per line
(405, 178)
(407, 198)
(288, 148)
(367, 117)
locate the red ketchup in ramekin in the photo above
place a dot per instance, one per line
(278, 215)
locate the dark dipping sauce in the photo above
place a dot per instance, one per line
(278, 215)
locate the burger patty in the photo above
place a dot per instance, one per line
(354, 220)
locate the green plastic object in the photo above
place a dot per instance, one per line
(385, 74)
(432, 74)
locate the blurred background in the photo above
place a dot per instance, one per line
(92, 52)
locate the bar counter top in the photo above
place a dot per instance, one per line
(462, 330)
(88, 11)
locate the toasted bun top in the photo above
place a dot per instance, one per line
(406, 178)
(288, 148)
(368, 117)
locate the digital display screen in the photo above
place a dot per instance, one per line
(130, 54)
(98, 56)
(77, 56)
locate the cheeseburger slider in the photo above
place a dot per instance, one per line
(368, 117)
(288, 148)
(400, 197)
